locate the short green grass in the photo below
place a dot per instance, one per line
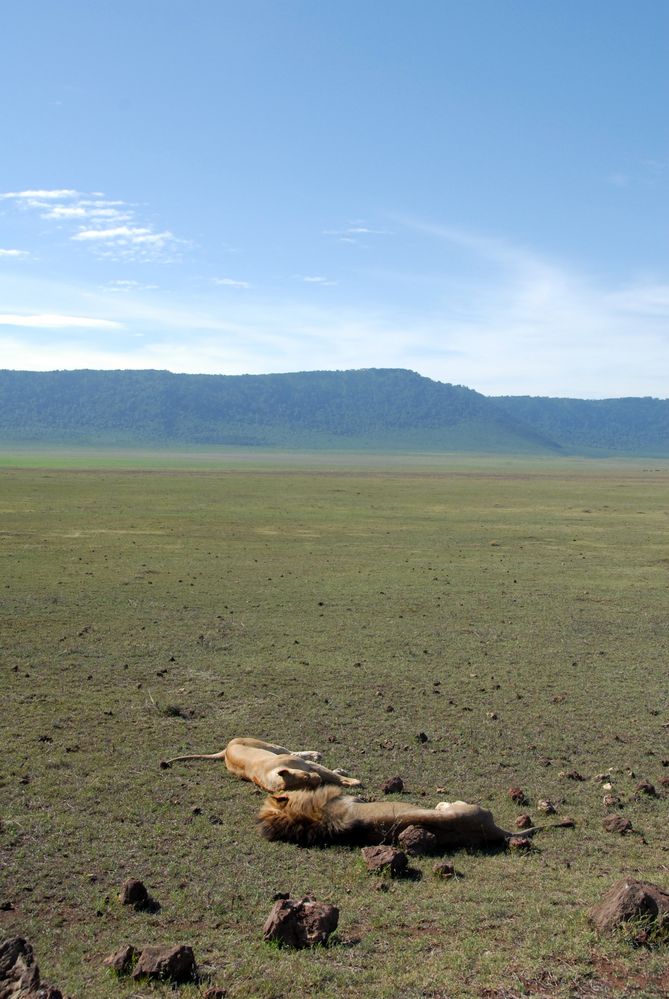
(167, 604)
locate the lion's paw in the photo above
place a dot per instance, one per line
(311, 755)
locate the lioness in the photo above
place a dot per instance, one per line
(325, 816)
(272, 768)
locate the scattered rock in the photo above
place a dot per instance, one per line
(394, 785)
(627, 900)
(301, 922)
(519, 843)
(442, 869)
(645, 787)
(422, 737)
(6, 905)
(617, 824)
(566, 823)
(571, 775)
(417, 841)
(19, 973)
(122, 960)
(214, 993)
(133, 892)
(174, 964)
(524, 821)
(517, 795)
(610, 800)
(385, 860)
(492, 715)
(664, 781)
(546, 806)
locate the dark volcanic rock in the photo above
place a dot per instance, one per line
(442, 869)
(517, 795)
(174, 964)
(122, 960)
(385, 859)
(617, 824)
(628, 900)
(133, 892)
(19, 973)
(301, 922)
(519, 843)
(394, 785)
(417, 841)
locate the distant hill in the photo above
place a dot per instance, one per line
(383, 408)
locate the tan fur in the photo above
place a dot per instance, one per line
(325, 816)
(271, 767)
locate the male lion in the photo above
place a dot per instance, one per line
(325, 816)
(272, 768)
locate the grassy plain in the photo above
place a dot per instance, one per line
(166, 604)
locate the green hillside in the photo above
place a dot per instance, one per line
(372, 408)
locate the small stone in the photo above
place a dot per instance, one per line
(664, 781)
(610, 800)
(645, 787)
(442, 869)
(19, 973)
(300, 923)
(571, 775)
(617, 824)
(519, 843)
(517, 795)
(133, 892)
(546, 806)
(394, 785)
(566, 823)
(174, 964)
(630, 900)
(121, 961)
(385, 860)
(213, 992)
(524, 821)
(417, 841)
(422, 737)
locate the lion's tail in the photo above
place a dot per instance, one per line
(308, 818)
(164, 764)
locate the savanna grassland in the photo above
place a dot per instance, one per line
(513, 611)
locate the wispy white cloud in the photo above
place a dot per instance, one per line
(129, 285)
(14, 253)
(351, 232)
(57, 322)
(226, 282)
(110, 227)
(40, 195)
(314, 279)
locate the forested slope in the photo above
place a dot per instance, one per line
(371, 408)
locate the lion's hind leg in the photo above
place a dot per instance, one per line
(311, 755)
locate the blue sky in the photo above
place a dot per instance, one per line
(475, 190)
